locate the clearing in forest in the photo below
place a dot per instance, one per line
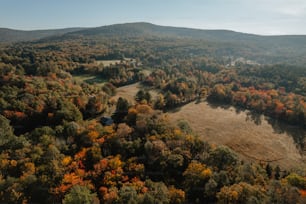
(129, 92)
(253, 139)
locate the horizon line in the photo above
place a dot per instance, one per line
(144, 22)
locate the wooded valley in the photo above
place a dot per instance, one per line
(66, 138)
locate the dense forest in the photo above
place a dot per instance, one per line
(55, 92)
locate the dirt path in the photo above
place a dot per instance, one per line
(227, 127)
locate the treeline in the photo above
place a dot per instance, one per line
(266, 89)
(276, 103)
(117, 74)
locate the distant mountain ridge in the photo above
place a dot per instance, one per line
(139, 29)
(143, 29)
(292, 47)
(11, 35)
(279, 49)
(148, 29)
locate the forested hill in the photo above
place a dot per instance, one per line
(148, 29)
(229, 43)
(11, 35)
(289, 49)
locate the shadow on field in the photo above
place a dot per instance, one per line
(297, 133)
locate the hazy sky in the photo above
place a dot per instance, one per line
(251, 16)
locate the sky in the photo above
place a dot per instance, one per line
(265, 17)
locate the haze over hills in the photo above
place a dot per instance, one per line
(141, 29)
(11, 35)
(289, 49)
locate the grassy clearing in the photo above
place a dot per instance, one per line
(107, 63)
(129, 92)
(90, 79)
(253, 139)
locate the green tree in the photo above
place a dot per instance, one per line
(128, 195)
(296, 180)
(250, 173)
(6, 131)
(157, 193)
(277, 172)
(122, 108)
(7, 137)
(269, 170)
(160, 102)
(79, 195)
(67, 111)
(122, 105)
(222, 157)
(184, 126)
(140, 95)
(196, 176)
(282, 193)
(93, 155)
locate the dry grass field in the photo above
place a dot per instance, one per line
(237, 131)
(91, 79)
(107, 63)
(129, 91)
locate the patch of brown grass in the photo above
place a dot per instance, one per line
(227, 127)
(129, 92)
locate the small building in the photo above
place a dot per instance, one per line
(106, 121)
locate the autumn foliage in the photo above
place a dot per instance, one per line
(53, 146)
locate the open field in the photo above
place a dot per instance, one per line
(253, 138)
(90, 79)
(129, 91)
(238, 131)
(107, 63)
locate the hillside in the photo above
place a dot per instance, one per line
(11, 35)
(289, 49)
(141, 28)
